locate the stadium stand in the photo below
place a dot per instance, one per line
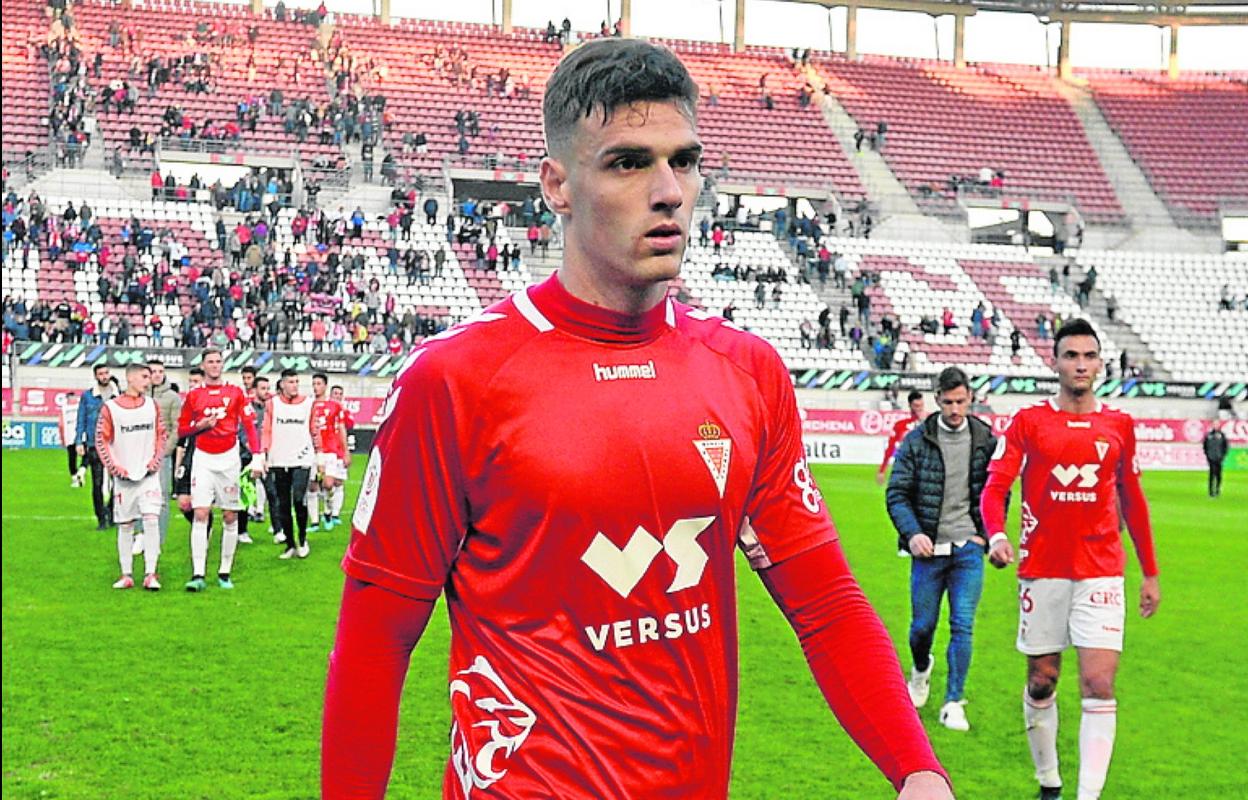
(26, 88)
(1174, 303)
(1187, 135)
(944, 122)
(922, 279)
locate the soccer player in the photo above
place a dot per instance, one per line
(170, 404)
(332, 455)
(289, 445)
(574, 468)
(67, 423)
(1215, 446)
(215, 412)
(900, 429)
(338, 395)
(1079, 467)
(130, 440)
(84, 437)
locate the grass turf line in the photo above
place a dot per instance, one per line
(129, 694)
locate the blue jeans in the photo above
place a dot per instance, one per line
(962, 576)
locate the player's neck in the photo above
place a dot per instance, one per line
(1071, 403)
(632, 301)
(210, 382)
(134, 394)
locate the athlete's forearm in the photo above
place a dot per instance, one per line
(1139, 525)
(992, 501)
(852, 659)
(377, 630)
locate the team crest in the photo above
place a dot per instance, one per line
(716, 452)
(1102, 447)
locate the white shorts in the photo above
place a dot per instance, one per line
(214, 480)
(331, 466)
(133, 499)
(1055, 613)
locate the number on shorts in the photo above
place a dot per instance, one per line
(1025, 602)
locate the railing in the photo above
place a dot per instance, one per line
(24, 169)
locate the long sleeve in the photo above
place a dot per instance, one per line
(80, 427)
(1135, 506)
(104, 438)
(186, 425)
(377, 631)
(899, 496)
(266, 434)
(852, 659)
(161, 435)
(1007, 462)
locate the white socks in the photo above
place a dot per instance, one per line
(1040, 717)
(1096, 745)
(199, 548)
(151, 544)
(313, 500)
(125, 547)
(336, 497)
(229, 543)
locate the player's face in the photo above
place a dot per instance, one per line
(916, 406)
(249, 380)
(213, 365)
(139, 381)
(318, 387)
(1078, 363)
(158, 374)
(336, 393)
(262, 390)
(626, 192)
(289, 386)
(954, 405)
(196, 381)
(102, 375)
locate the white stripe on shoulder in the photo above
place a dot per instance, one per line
(670, 315)
(524, 304)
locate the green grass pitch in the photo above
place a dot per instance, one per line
(124, 694)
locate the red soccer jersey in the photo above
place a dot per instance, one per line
(900, 429)
(327, 421)
(226, 401)
(577, 485)
(1076, 469)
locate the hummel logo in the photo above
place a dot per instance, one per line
(620, 372)
(1086, 472)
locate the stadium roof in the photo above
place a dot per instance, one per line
(1206, 12)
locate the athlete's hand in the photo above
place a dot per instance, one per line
(153, 466)
(207, 422)
(921, 546)
(925, 786)
(82, 450)
(879, 479)
(1001, 554)
(1150, 596)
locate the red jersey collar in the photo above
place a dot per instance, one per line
(549, 305)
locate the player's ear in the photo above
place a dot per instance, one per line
(553, 175)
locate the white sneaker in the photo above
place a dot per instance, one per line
(920, 685)
(279, 538)
(286, 554)
(244, 538)
(953, 716)
(304, 550)
(137, 547)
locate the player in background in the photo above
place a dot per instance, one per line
(574, 468)
(1078, 462)
(265, 491)
(169, 402)
(214, 413)
(338, 395)
(130, 439)
(1215, 446)
(184, 457)
(332, 456)
(248, 374)
(84, 437)
(903, 426)
(289, 444)
(67, 425)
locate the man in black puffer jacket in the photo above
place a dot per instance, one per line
(933, 500)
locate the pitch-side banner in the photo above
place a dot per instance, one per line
(836, 436)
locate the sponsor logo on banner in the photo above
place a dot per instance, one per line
(17, 434)
(43, 402)
(49, 435)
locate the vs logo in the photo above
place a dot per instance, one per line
(1086, 473)
(623, 569)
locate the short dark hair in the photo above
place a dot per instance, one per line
(196, 371)
(136, 367)
(264, 378)
(951, 378)
(1075, 327)
(248, 370)
(208, 351)
(288, 373)
(605, 74)
(155, 362)
(337, 386)
(320, 375)
(915, 394)
(98, 367)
